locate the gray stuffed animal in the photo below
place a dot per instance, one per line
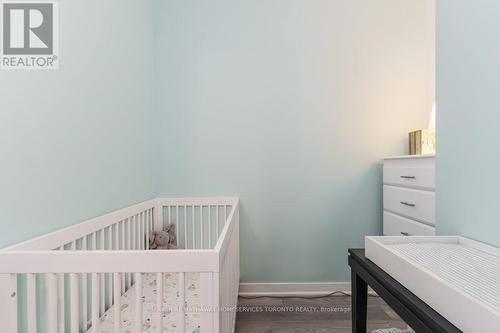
(171, 236)
(163, 240)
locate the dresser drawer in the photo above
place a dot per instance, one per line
(410, 176)
(395, 225)
(415, 204)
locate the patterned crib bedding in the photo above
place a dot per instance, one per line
(171, 304)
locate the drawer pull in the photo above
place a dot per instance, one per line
(405, 233)
(407, 204)
(408, 177)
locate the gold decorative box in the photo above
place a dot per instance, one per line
(422, 142)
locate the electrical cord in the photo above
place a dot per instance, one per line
(332, 294)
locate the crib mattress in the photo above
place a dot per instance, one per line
(171, 304)
(458, 277)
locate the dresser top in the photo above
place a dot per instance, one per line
(402, 157)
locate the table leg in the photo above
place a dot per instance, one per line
(359, 296)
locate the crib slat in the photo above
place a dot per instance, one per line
(93, 243)
(201, 227)
(138, 302)
(51, 320)
(152, 220)
(101, 239)
(129, 233)
(101, 288)
(143, 230)
(61, 300)
(74, 310)
(158, 218)
(140, 232)
(182, 297)
(177, 226)
(122, 230)
(159, 302)
(116, 241)
(8, 305)
(194, 228)
(117, 307)
(150, 224)
(74, 298)
(44, 280)
(210, 226)
(116, 228)
(140, 235)
(134, 232)
(31, 302)
(128, 247)
(225, 217)
(95, 303)
(206, 295)
(148, 221)
(185, 228)
(110, 276)
(84, 290)
(217, 225)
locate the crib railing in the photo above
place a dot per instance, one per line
(228, 248)
(97, 264)
(66, 280)
(117, 221)
(198, 223)
(126, 229)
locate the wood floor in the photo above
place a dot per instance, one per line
(296, 315)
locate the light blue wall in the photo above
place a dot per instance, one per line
(290, 104)
(76, 142)
(468, 119)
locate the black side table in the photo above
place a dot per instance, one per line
(421, 317)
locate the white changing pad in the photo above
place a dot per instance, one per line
(171, 302)
(458, 277)
(472, 271)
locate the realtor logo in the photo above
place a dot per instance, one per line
(29, 35)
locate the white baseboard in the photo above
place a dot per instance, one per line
(293, 289)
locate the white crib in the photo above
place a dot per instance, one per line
(76, 279)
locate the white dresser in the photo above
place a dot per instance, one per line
(409, 195)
